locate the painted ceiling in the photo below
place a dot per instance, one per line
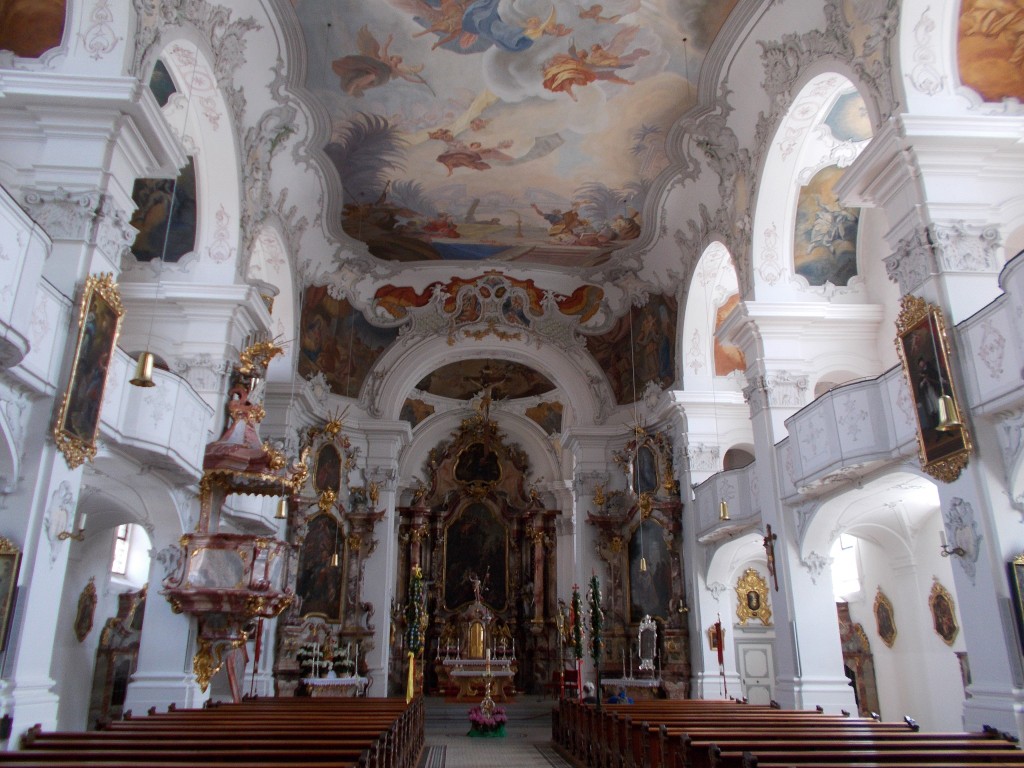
(525, 131)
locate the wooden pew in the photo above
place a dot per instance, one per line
(375, 733)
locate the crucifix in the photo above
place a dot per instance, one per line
(769, 550)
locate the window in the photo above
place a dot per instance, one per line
(119, 562)
(845, 568)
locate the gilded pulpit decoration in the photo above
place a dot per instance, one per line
(943, 440)
(752, 598)
(227, 580)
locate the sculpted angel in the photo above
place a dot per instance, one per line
(373, 66)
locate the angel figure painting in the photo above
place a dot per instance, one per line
(440, 108)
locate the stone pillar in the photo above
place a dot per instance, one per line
(808, 650)
(385, 441)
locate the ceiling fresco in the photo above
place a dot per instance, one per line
(515, 130)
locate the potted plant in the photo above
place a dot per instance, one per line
(484, 723)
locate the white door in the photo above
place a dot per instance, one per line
(757, 671)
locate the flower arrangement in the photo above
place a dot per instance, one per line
(343, 665)
(483, 724)
(312, 661)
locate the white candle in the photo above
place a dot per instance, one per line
(356, 673)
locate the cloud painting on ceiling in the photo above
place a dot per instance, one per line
(825, 240)
(337, 341)
(849, 119)
(415, 410)
(467, 378)
(517, 130)
(548, 415)
(639, 349)
(991, 48)
(728, 357)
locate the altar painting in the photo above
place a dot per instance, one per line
(649, 591)
(318, 584)
(476, 545)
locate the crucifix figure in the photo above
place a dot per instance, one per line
(769, 550)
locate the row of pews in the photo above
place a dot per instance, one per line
(731, 734)
(278, 733)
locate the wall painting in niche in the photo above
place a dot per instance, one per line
(336, 340)
(153, 198)
(650, 591)
(825, 239)
(652, 352)
(476, 543)
(548, 415)
(30, 28)
(318, 584)
(415, 410)
(728, 357)
(990, 53)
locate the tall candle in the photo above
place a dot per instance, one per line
(356, 673)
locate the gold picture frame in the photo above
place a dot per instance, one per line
(943, 441)
(752, 598)
(86, 610)
(99, 321)
(10, 562)
(943, 613)
(1016, 567)
(885, 618)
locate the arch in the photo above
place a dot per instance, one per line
(885, 510)
(828, 123)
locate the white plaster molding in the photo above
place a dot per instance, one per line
(204, 372)
(704, 458)
(786, 389)
(717, 589)
(912, 263)
(99, 38)
(964, 248)
(58, 516)
(962, 531)
(816, 564)
(64, 215)
(925, 77)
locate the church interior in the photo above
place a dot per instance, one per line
(688, 326)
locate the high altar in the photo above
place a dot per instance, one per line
(480, 531)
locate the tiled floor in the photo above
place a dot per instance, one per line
(527, 743)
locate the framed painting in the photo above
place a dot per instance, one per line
(1016, 567)
(885, 620)
(943, 440)
(943, 614)
(86, 610)
(99, 321)
(10, 561)
(327, 475)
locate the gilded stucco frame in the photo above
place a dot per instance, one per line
(10, 562)
(78, 419)
(752, 598)
(923, 346)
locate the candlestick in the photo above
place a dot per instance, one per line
(623, 662)
(513, 649)
(630, 660)
(356, 673)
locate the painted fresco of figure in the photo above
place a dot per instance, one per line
(476, 543)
